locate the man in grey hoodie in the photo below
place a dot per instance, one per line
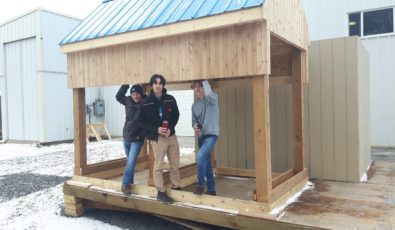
(205, 121)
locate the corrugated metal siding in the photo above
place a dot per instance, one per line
(115, 112)
(54, 28)
(58, 108)
(382, 94)
(22, 94)
(21, 28)
(120, 16)
(329, 19)
(184, 100)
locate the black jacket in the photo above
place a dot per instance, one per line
(132, 131)
(150, 119)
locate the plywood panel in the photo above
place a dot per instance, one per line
(315, 112)
(326, 63)
(241, 128)
(340, 109)
(352, 112)
(223, 53)
(231, 132)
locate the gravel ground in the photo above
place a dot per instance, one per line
(31, 195)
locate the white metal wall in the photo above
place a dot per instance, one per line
(17, 29)
(329, 19)
(22, 90)
(58, 101)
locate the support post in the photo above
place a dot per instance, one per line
(298, 110)
(263, 166)
(79, 130)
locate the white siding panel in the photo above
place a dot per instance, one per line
(184, 101)
(58, 108)
(329, 18)
(382, 73)
(55, 27)
(22, 90)
(115, 112)
(20, 28)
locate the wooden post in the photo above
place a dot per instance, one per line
(79, 130)
(263, 166)
(298, 110)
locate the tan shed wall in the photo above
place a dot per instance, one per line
(338, 99)
(235, 147)
(236, 51)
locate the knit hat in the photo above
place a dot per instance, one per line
(136, 88)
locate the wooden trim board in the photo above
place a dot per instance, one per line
(179, 210)
(107, 165)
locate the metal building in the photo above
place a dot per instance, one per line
(33, 73)
(373, 21)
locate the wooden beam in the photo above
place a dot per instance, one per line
(117, 171)
(107, 165)
(298, 110)
(286, 186)
(242, 206)
(202, 24)
(235, 172)
(198, 214)
(277, 180)
(263, 167)
(79, 130)
(185, 172)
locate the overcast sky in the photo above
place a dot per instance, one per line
(9, 9)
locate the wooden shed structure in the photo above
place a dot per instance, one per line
(237, 43)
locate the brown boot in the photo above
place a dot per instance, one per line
(211, 193)
(199, 190)
(126, 189)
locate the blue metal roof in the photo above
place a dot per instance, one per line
(120, 16)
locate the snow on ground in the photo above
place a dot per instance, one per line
(31, 194)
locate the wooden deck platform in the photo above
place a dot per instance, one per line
(340, 205)
(330, 204)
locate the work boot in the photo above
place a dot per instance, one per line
(126, 189)
(162, 196)
(211, 193)
(199, 190)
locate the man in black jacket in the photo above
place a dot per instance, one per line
(133, 133)
(159, 116)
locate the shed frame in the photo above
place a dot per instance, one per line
(271, 44)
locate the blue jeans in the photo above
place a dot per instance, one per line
(132, 150)
(205, 169)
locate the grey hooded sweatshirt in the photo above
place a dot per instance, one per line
(206, 112)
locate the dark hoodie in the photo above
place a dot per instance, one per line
(150, 118)
(132, 131)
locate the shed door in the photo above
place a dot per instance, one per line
(22, 90)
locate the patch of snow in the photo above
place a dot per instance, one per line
(42, 210)
(364, 177)
(187, 151)
(309, 185)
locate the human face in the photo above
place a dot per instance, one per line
(199, 90)
(157, 86)
(136, 97)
